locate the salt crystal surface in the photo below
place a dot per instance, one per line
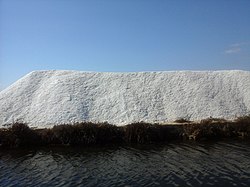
(46, 98)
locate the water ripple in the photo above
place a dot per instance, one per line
(178, 164)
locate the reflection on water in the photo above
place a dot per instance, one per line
(176, 164)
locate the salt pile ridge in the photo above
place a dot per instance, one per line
(45, 98)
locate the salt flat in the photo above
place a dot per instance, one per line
(46, 98)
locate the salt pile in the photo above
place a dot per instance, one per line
(46, 98)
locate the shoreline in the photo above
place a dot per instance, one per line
(87, 133)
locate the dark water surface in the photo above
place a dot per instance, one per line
(225, 163)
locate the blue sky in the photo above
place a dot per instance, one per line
(122, 35)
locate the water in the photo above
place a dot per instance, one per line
(176, 164)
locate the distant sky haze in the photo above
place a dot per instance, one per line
(122, 35)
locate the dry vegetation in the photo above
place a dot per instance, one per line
(20, 135)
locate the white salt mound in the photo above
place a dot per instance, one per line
(46, 98)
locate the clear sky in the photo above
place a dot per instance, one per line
(122, 35)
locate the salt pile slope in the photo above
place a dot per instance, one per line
(46, 98)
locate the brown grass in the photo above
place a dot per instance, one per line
(20, 135)
(218, 128)
(182, 120)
